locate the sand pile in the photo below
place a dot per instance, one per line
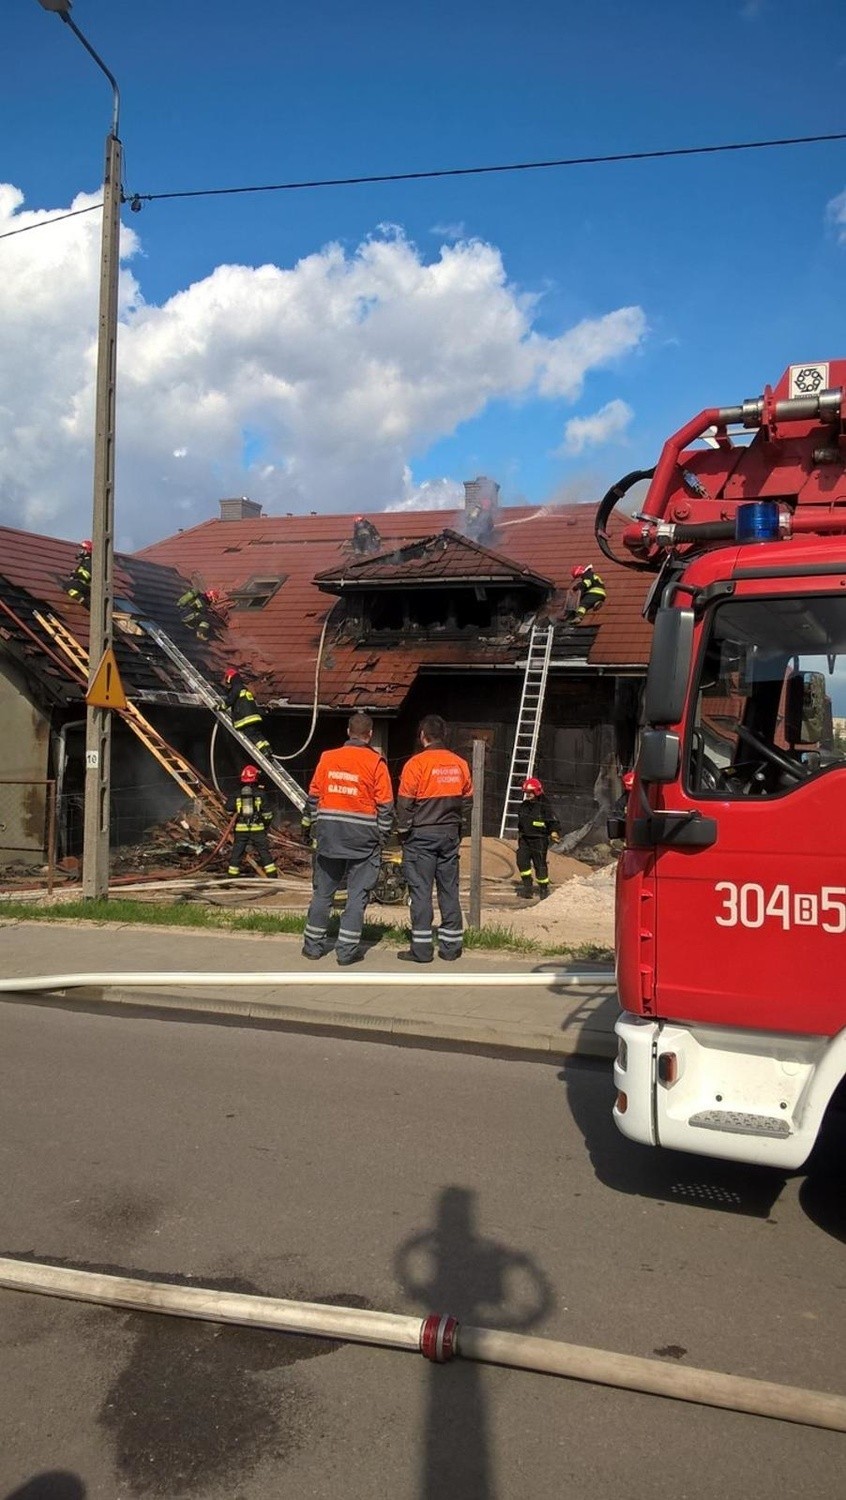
(579, 910)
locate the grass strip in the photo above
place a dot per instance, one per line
(190, 914)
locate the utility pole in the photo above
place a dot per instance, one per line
(98, 727)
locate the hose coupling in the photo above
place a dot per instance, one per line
(439, 1338)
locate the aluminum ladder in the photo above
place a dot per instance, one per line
(186, 776)
(214, 702)
(528, 723)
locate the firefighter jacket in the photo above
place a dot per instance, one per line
(350, 805)
(536, 820)
(193, 603)
(435, 792)
(242, 706)
(591, 584)
(80, 582)
(251, 814)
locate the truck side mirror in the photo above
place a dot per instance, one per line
(805, 708)
(660, 755)
(669, 666)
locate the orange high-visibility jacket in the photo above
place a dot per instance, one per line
(435, 791)
(350, 801)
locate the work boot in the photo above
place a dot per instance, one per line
(526, 891)
(543, 891)
(345, 959)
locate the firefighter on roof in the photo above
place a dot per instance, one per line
(537, 827)
(195, 607)
(588, 589)
(79, 586)
(365, 537)
(244, 710)
(252, 820)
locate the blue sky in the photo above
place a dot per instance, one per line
(731, 258)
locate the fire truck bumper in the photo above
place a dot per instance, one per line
(634, 1067)
(747, 1096)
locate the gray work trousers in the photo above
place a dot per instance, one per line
(329, 874)
(430, 858)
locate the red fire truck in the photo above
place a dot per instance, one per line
(731, 891)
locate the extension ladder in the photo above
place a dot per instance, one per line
(187, 778)
(213, 701)
(528, 724)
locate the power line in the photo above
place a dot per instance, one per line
(135, 200)
(519, 166)
(57, 219)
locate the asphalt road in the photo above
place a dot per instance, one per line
(403, 1180)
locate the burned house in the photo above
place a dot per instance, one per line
(444, 617)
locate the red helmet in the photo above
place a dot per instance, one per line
(531, 784)
(229, 674)
(86, 546)
(250, 774)
(627, 779)
(578, 571)
(213, 595)
(356, 519)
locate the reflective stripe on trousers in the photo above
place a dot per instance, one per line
(361, 876)
(430, 859)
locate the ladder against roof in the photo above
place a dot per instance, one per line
(214, 702)
(187, 778)
(528, 723)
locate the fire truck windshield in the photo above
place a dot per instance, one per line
(770, 700)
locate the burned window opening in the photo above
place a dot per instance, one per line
(456, 612)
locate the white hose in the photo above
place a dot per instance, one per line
(438, 1337)
(372, 980)
(313, 724)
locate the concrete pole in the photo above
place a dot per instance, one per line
(98, 728)
(476, 823)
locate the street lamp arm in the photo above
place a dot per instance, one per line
(100, 64)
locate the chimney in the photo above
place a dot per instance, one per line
(240, 509)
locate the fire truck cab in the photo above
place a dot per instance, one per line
(731, 891)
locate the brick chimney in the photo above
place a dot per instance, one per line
(239, 509)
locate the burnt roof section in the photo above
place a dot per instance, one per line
(446, 557)
(34, 571)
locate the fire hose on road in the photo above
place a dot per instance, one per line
(438, 1337)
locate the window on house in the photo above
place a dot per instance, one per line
(256, 592)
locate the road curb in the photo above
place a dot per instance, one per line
(579, 1040)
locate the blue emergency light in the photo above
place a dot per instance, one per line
(757, 521)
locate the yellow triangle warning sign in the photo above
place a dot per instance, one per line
(106, 690)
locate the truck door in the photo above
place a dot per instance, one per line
(751, 925)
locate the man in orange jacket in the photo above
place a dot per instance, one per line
(433, 808)
(349, 813)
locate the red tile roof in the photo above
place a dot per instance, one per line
(278, 644)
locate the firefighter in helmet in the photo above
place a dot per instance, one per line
(365, 537)
(78, 587)
(589, 589)
(195, 607)
(537, 828)
(252, 820)
(244, 710)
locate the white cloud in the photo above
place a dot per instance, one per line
(306, 387)
(432, 494)
(835, 212)
(600, 427)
